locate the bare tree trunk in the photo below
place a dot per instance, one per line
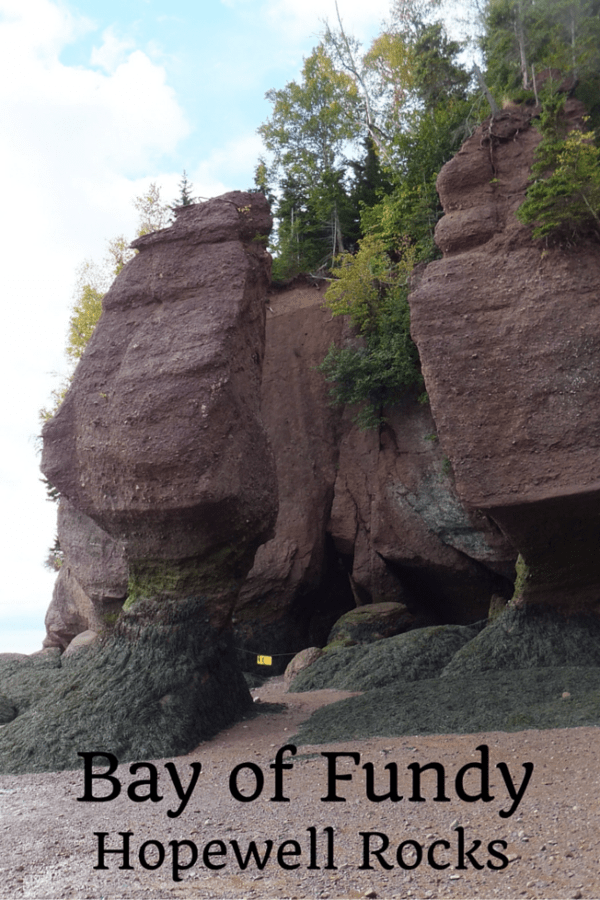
(346, 58)
(485, 89)
(521, 41)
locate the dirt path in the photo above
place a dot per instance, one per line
(48, 847)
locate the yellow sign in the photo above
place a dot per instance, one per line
(264, 660)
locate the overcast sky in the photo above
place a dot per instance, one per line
(98, 98)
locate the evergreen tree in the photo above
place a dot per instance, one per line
(185, 193)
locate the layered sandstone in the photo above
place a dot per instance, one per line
(364, 517)
(508, 330)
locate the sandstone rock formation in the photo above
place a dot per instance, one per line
(364, 517)
(159, 439)
(160, 443)
(92, 584)
(397, 520)
(292, 595)
(508, 330)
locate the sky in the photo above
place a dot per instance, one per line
(99, 99)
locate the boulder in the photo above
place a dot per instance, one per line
(373, 622)
(160, 443)
(80, 642)
(300, 662)
(508, 330)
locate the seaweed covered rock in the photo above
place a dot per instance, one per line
(372, 622)
(531, 698)
(149, 690)
(413, 656)
(7, 710)
(530, 637)
(160, 443)
(508, 331)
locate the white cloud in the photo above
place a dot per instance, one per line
(233, 158)
(76, 143)
(303, 19)
(112, 52)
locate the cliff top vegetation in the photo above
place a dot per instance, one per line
(352, 152)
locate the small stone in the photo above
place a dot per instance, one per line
(371, 894)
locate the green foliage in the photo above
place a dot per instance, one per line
(94, 280)
(311, 124)
(185, 193)
(56, 556)
(525, 35)
(406, 97)
(153, 213)
(563, 202)
(372, 288)
(84, 318)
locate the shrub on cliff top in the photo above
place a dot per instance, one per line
(563, 200)
(371, 288)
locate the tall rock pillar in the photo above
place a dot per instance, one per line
(508, 330)
(160, 443)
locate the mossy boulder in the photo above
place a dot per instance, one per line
(412, 656)
(369, 623)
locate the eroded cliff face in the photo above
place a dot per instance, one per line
(508, 330)
(159, 440)
(364, 517)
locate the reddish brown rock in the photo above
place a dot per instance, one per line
(509, 336)
(159, 439)
(300, 662)
(363, 517)
(292, 595)
(92, 583)
(97, 560)
(405, 535)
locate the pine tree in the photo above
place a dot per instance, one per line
(185, 193)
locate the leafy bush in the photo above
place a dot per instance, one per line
(371, 288)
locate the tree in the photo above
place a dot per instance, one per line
(185, 193)
(563, 201)
(522, 37)
(312, 125)
(94, 280)
(371, 287)
(153, 213)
